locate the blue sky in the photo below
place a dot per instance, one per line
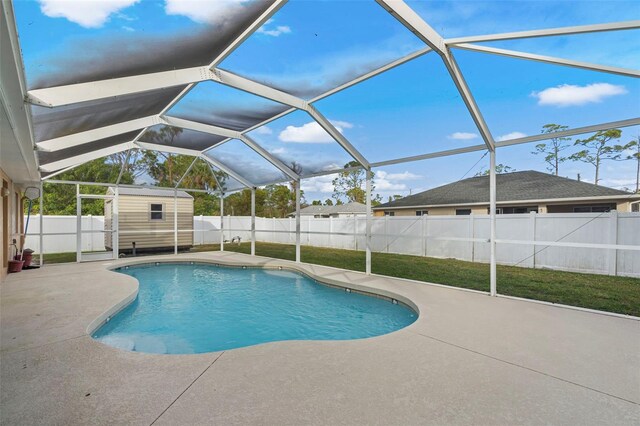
(311, 46)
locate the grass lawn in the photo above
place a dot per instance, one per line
(603, 292)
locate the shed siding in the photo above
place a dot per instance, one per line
(134, 212)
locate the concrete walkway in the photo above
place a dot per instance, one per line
(468, 359)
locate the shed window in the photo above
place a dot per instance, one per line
(157, 212)
(422, 212)
(389, 213)
(463, 212)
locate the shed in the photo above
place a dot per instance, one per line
(146, 217)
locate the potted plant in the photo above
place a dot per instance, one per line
(16, 264)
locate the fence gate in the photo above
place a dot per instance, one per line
(96, 239)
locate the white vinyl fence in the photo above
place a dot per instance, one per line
(601, 243)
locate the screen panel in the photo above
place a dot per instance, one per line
(311, 47)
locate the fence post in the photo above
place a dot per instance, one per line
(386, 234)
(330, 230)
(532, 237)
(471, 232)
(425, 222)
(612, 256)
(355, 233)
(91, 232)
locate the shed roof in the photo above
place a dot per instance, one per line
(516, 186)
(150, 192)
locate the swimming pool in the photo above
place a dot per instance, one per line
(194, 308)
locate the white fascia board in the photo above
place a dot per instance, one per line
(250, 86)
(550, 60)
(227, 170)
(82, 92)
(571, 132)
(414, 23)
(166, 148)
(337, 136)
(80, 138)
(262, 19)
(269, 157)
(199, 127)
(517, 202)
(84, 158)
(582, 29)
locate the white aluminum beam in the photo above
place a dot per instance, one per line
(193, 163)
(82, 92)
(84, 158)
(492, 231)
(175, 100)
(412, 21)
(336, 135)
(550, 60)
(369, 178)
(220, 131)
(269, 157)
(298, 257)
(227, 170)
(80, 138)
(167, 148)
(262, 19)
(253, 221)
(436, 154)
(125, 163)
(59, 172)
(571, 132)
(200, 127)
(250, 86)
(582, 29)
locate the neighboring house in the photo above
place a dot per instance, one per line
(146, 217)
(518, 192)
(343, 210)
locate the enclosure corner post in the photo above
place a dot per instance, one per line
(221, 221)
(41, 223)
(492, 209)
(298, 222)
(253, 221)
(175, 221)
(78, 224)
(368, 227)
(115, 224)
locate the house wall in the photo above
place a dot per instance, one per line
(12, 219)
(135, 225)
(622, 206)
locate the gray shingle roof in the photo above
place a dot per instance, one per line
(516, 186)
(150, 192)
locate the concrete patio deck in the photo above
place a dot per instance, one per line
(468, 359)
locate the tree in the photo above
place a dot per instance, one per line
(500, 169)
(316, 203)
(349, 184)
(328, 202)
(60, 199)
(552, 149)
(394, 197)
(597, 149)
(635, 156)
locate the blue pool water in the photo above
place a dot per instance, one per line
(195, 308)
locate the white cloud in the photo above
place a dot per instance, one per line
(128, 28)
(264, 130)
(210, 12)
(311, 132)
(279, 30)
(569, 94)
(322, 184)
(87, 13)
(278, 151)
(381, 174)
(512, 135)
(462, 136)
